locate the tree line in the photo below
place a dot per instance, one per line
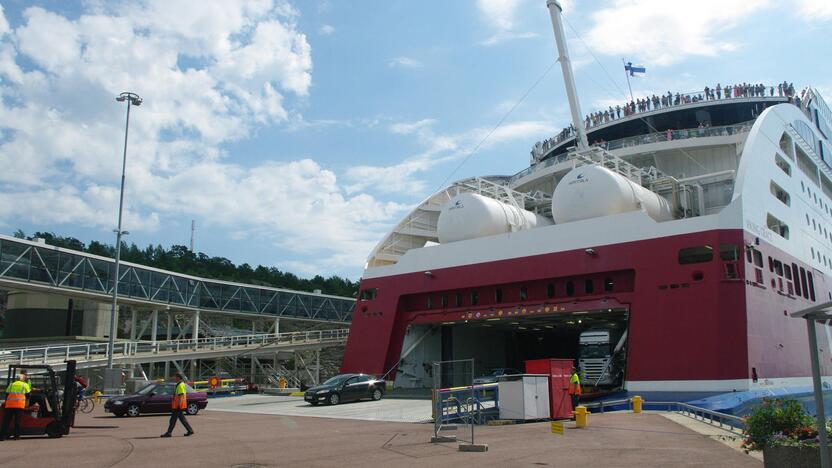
(181, 259)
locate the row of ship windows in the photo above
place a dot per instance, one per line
(804, 282)
(474, 296)
(686, 256)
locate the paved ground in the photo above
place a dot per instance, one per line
(227, 439)
(390, 409)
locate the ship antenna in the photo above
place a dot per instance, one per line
(555, 11)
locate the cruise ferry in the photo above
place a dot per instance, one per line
(693, 229)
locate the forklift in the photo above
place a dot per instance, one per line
(55, 410)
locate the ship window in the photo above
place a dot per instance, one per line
(758, 258)
(589, 286)
(796, 275)
(570, 288)
(475, 298)
(498, 295)
(813, 252)
(729, 252)
(748, 255)
(783, 165)
(787, 146)
(805, 164)
(699, 254)
(458, 300)
(608, 284)
(369, 294)
(787, 271)
(781, 228)
(803, 283)
(550, 290)
(429, 302)
(444, 300)
(807, 219)
(524, 293)
(780, 194)
(771, 264)
(802, 187)
(811, 282)
(778, 267)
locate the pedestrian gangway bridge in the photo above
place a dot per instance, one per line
(91, 355)
(38, 267)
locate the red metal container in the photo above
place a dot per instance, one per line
(559, 371)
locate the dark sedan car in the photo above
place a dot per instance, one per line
(154, 398)
(346, 387)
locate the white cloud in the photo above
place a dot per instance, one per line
(404, 62)
(4, 25)
(815, 10)
(403, 177)
(209, 76)
(405, 128)
(501, 15)
(657, 33)
(326, 30)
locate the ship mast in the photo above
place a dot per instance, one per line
(568, 80)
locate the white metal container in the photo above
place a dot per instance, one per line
(595, 191)
(524, 396)
(470, 215)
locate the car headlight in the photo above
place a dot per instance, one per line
(118, 402)
(321, 391)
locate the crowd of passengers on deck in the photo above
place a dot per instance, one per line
(655, 102)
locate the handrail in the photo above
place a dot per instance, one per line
(656, 137)
(725, 421)
(93, 351)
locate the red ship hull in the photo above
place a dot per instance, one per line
(719, 325)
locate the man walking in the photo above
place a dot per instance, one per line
(178, 406)
(15, 403)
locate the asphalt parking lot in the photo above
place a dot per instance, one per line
(232, 439)
(388, 409)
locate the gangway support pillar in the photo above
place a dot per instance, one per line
(317, 367)
(195, 327)
(133, 323)
(154, 323)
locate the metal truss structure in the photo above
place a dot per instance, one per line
(33, 266)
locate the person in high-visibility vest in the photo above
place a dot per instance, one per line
(15, 403)
(575, 388)
(178, 406)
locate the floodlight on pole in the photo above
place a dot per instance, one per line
(132, 99)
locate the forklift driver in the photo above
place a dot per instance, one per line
(15, 403)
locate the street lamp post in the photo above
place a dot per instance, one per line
(132, 100)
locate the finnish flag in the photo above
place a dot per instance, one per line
(633, 69)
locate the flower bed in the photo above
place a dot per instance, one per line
(786, 434)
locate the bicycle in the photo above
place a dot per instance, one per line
(85, 406)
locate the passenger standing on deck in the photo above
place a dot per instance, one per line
(15, 403)
(178, 406)
(575, 388)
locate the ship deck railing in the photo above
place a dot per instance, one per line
(656, 137)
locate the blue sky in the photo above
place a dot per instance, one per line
(297, 133)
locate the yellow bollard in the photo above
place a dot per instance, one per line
(637, 401)
(96, 396)
(581, 417)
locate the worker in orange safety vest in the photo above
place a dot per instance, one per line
(15, 403)
(575, 388)
(178, 406)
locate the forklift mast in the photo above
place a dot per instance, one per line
(70, 396)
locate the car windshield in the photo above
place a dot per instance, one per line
(337, 379)
(146, 389)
